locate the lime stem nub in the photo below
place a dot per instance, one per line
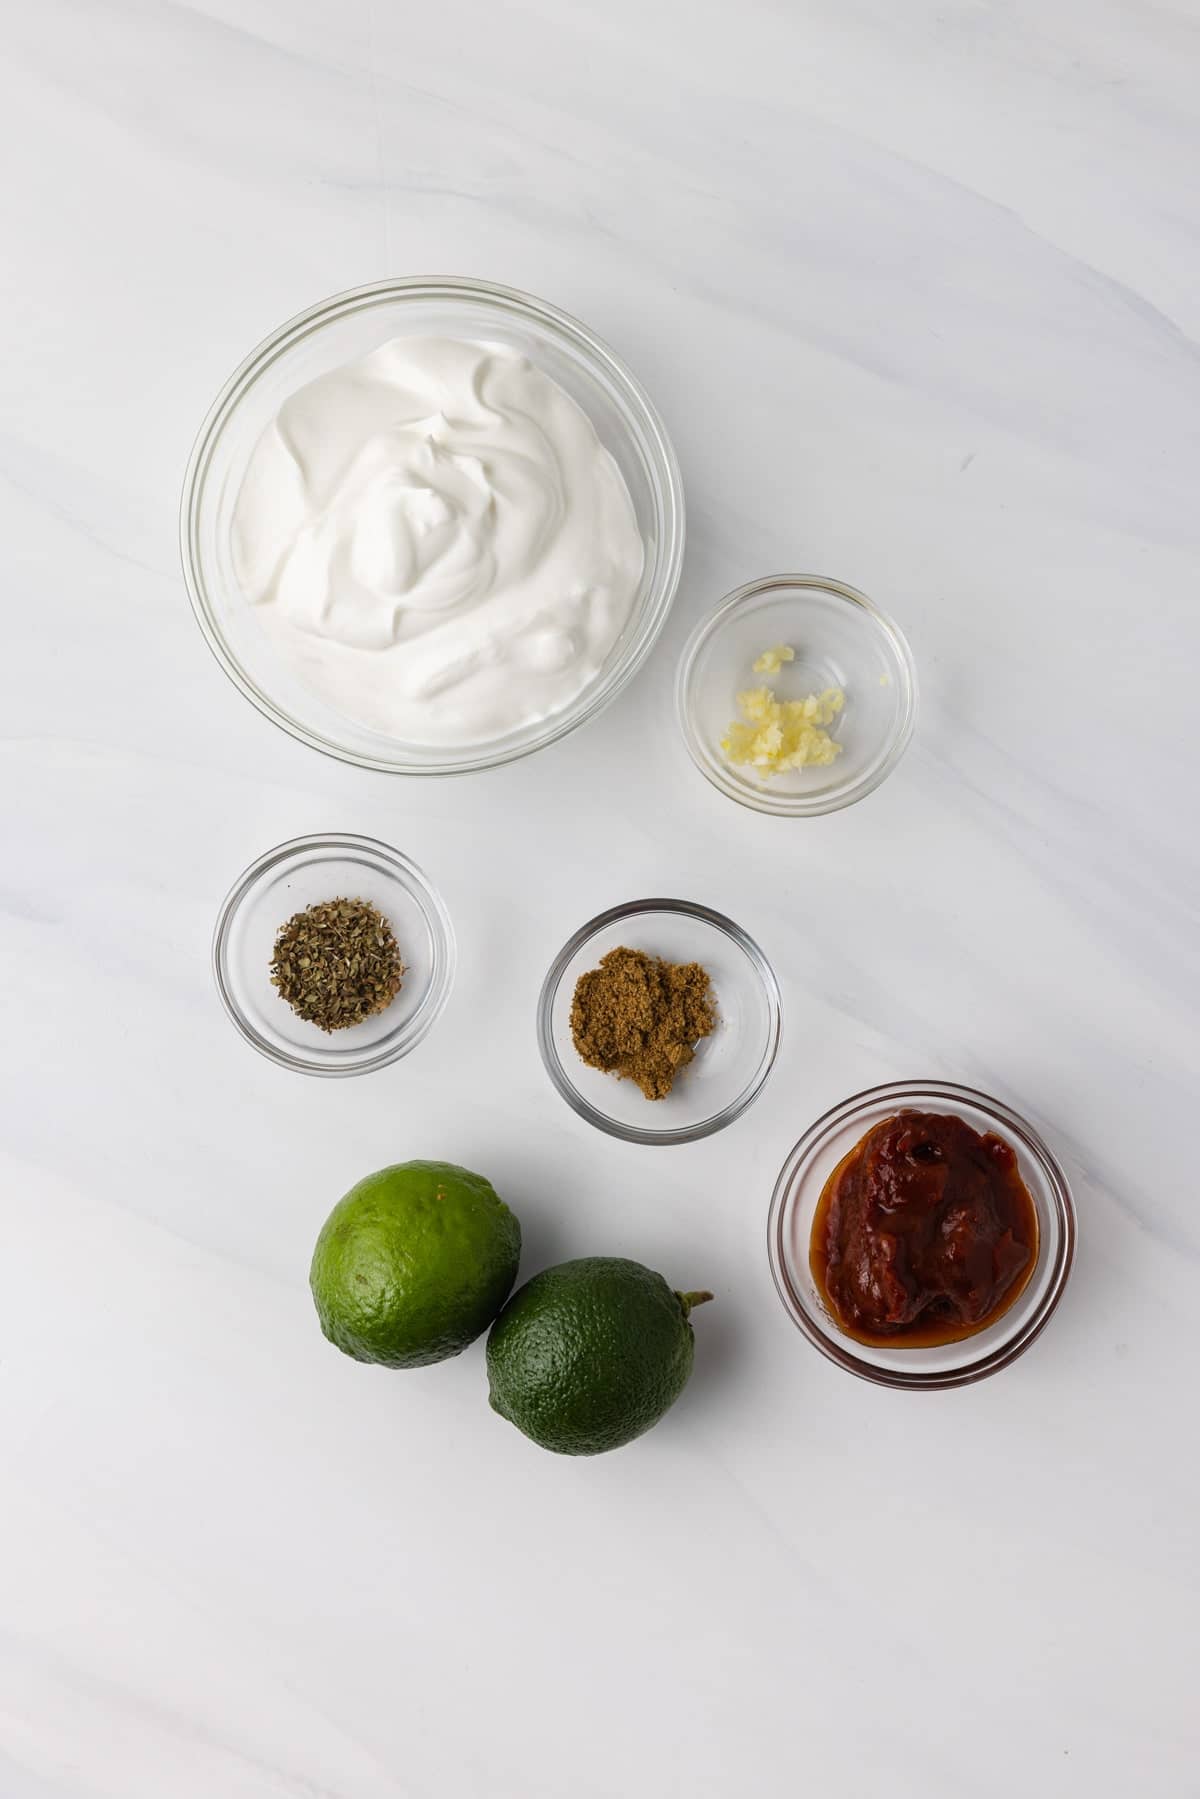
(688, 1300)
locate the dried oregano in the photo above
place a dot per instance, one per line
(337, 963)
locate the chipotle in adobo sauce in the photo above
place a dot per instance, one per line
(924, 1233)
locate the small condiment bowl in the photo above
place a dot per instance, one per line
(794, 1205)
(730, 1067)
(841, 639)
(303, 873)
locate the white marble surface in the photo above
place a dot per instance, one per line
(916, 288)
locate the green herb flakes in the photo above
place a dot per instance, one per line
(337, 964)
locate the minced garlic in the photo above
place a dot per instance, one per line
(775, 735)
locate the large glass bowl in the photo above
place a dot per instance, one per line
(794, 1205)
(348, 326)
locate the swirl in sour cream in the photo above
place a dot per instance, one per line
(438, 544)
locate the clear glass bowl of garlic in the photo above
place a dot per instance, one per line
(797, 695)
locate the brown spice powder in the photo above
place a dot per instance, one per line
(640, 1017)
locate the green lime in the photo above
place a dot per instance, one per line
(588, 1355)
(414, 1263)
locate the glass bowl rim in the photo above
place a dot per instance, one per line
(552, 1062)
(840, 1349)
(667, 481)
(778, 805)
(419, 887)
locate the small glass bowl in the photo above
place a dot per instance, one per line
(346, 327)
(841, 639)
(731, 1065)
(303, 873)
(794, 1205)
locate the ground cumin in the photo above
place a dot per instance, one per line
(640, 1017)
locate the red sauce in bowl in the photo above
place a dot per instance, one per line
(924, 1233)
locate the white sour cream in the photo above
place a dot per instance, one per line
(440, 546)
